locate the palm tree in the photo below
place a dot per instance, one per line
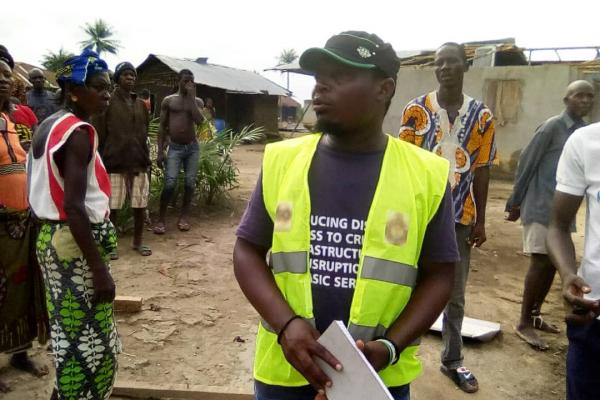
(53, 61)
(287, 56)
(99, 33)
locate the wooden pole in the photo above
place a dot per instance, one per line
(141, 390)
(302, 116)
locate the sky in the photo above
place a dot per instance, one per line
(251, 34)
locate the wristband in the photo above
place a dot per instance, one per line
(289, 321)
(392, 347)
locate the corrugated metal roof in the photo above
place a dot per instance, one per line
(292, 67)
(427, 57)
(219, 76)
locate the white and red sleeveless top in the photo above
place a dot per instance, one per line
(46, 185)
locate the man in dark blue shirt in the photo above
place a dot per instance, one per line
(40, 100)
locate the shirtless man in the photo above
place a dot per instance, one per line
(179, 115)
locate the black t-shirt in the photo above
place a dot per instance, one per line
(342, 186)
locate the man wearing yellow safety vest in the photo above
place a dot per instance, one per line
(360, 228)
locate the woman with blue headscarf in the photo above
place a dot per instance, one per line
(69, 191)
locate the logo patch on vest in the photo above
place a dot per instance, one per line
(283, 217)
(396, 228)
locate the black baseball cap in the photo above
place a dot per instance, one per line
(356, 49)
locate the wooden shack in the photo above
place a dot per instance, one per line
(240, 97)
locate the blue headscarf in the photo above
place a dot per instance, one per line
(76, 69)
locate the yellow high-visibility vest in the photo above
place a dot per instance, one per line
(411, 186)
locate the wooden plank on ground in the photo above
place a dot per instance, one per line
(128, 304)
(141, 390)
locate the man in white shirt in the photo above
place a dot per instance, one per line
(578, 175)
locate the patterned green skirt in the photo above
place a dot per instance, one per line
(84, 337)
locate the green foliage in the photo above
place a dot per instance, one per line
(287, 56)
(217, 173)
(99, 33)
(53, 61)
(124, 222)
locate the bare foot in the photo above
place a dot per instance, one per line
(529, 335)
(4, 388)
(183, 225)
(24, 363)
(142, 249)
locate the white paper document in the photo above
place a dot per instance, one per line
(358, 380)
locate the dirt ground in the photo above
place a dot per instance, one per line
(197, 328)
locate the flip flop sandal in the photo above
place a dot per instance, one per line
(540, 324)
(143, 250)
(114, 255)
(462, 377)
(184, 227)
(529, 341)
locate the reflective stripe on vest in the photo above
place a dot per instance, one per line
(373, 268)
(389, 271)
(294, 262)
